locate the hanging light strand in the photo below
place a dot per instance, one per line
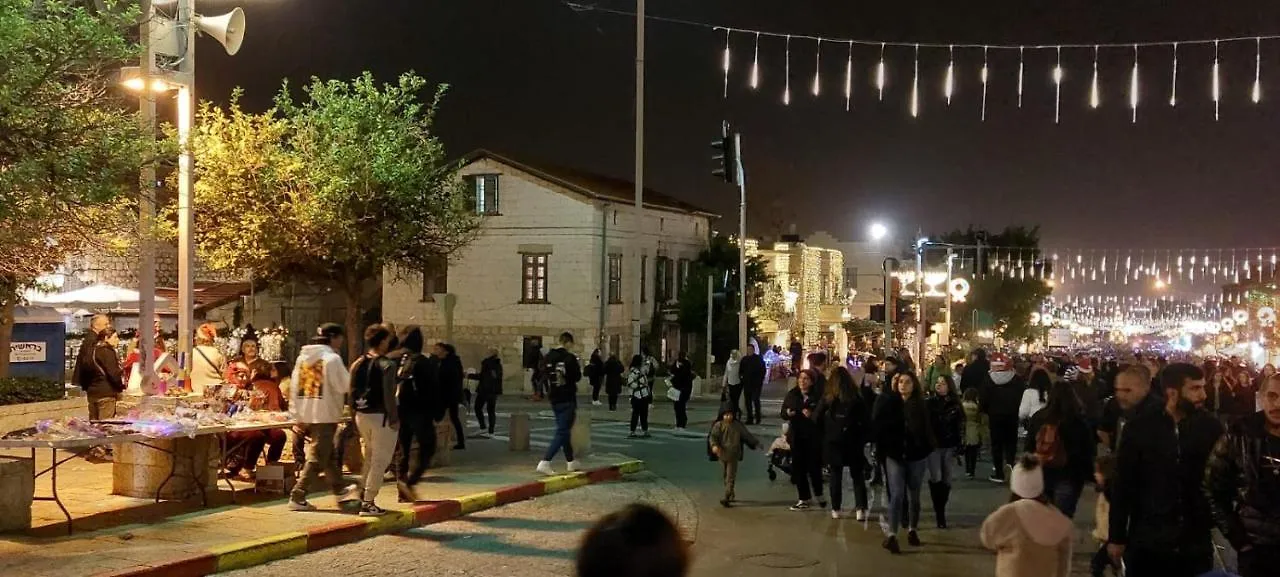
(1057, 86)
(1133, 85)
(915, 86)
(726, 63)
(1257, 72)
(1173, 84)
(1020, 66)
(1217, 82)
(984, 84)
(848, 80)
(949, 84)
(786, 91)
(880, 73)
(1093, 86)
(755, 65)
(817, 69)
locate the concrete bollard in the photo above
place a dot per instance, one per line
(518, 435)
(17, 488)
(580, 434)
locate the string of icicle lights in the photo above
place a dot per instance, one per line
(878, 54)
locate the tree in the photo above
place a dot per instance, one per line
(333, 189)
(69, 147)
(1009, 293)
(720, 261)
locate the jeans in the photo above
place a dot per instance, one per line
(1004, 442)
(640, 413)
(457, 426)
(971, 458)
(735, 397)
(487, 402)
(806, 470)
(682, 410)
(837, 459)
(424, 430)
(1063, 491)
(319, 458)
(379, 439)
(939, 463)
(904, 486)
(1186, 562)
(565, 414)
(753, 392)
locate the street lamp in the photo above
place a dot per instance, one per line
(879, 231)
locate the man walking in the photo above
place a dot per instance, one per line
(373, 398)
(320, 383)
(1242, 483)
(1000, 399)
(563, 373)
(753, 372)
(1160, 522)
(488, 389)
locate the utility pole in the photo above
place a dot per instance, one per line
(889, 265)
(920, 303)
(186, 218)
(944, 337)
(729, 156)
(639, 179)
(147, 209)
(709, 303)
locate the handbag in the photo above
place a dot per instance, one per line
(673, 393)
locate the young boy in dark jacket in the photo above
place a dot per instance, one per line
(728, 436)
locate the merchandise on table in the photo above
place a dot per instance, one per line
(69, 428)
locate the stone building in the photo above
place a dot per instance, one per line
(806, 298)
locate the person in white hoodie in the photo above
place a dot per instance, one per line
(320, 385)
(1029, 536)
(1034, 398)
(733, 381)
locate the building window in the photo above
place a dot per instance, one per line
(615, 279)
(851, 277)
(662, 280)
(484, 193)
(533, 277)
(435, 278)
(682, 276)
(644, 278)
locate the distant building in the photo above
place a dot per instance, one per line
(807, 298)
(557, 251)
(863, 268)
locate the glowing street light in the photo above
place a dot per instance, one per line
(879, 231)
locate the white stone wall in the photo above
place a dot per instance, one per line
(18, 417)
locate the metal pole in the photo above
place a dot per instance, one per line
(944, 338)
(147, 209)
(639, 177)
(888, 304)
(709, 297)
(186, 222)
(604, 276)
(742, 247)
(920, 305)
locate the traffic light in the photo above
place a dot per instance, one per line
(902, 311)
(726, 155)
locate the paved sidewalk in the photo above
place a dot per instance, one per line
(160, 536)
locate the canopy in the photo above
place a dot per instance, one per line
(95, 297)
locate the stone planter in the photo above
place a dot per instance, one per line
(138, 471)
(24, 416)
(17, 488)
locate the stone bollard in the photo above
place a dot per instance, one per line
(17, 488)
(580, 434)
(518, 434)
(445, 439)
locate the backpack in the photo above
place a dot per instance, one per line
(1049, 447)
(366, 386)
(554, 375)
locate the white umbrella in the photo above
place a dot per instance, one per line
(95, 297)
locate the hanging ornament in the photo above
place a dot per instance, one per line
(1104, 268)
(848, 79)
(1057, 85)
(817, 69)
(984, 83)
(1093, 86)
(1173, 85)
(1217, 83)
(880, 73)
(949, 85)
(1193, 268)
(1257, 71)
(915, 86)
(786, 92)
(1133, 85)
(726, 63)
(755, 64)
(1020, 62)
(1128, 262)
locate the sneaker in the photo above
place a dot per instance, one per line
(822, 503)
(544, 467)
(351, 493)
(913, 538)
(835, 514)
(406, 492)
(860, 515)
(891, 544)
(632, 435)
(596, 403)
(995, 479)
(724, 503)
(645, 435)
(800, 506)
(301, 506)
(369, 509)
(573, 467)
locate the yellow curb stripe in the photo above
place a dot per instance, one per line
(558, 483)
(478, 502)
(258, 551)
(395, 521)
(630, 467)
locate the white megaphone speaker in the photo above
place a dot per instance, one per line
(227, 29)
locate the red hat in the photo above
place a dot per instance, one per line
(1085, 364)
(999, 362)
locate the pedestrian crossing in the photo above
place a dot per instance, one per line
(615, 435)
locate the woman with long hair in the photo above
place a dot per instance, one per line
(842, 418)
(798, 410)
(1035, 397)
(948, 426)
(1063, 441)
(904, 438)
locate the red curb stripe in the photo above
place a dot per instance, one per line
(194, 566)
(334, 534)
(605, 474)
(518, 493)
(436, 511)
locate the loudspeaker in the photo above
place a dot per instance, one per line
(227, 29)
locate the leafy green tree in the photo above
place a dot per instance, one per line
(70, 147)
(719, 261)
(333, 189)
(1008, 298)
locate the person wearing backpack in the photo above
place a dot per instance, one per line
(563, 371)
(1063, 442)
(641, 396)
(373, 398)
(419, 405)
(842, 417)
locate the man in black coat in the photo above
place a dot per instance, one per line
(975, 373)
(753, 373)
(1000, 398)
(488, 389)
(1160, 521)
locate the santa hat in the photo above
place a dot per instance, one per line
(1027, 480)
(999, 362)
(1085, 364)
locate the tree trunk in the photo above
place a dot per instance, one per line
(8, 301)
(355, 332)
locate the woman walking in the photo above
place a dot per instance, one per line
(798, 410)
(947, 417)
(595, 374)
(1062, 440)
(733, 381)
(904, 439)
(1035, 397)
(641, 396)
(613, 371)
(842, 417)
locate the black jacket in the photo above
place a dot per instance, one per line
(1246, 510)
(753, 371)
(1002, 400)
(890, 432)
(843, 422)
(489, 379)
(379, 375)
(557, 360)
(1078, 440)
(449, 376)
(1158, 501)
(420, 396)
(948, 420)
(974, 375)
(613, 370)
(102, 375)
(595, 370)
(803, 430)
(682, 377)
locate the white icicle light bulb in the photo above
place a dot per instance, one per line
(1173, 85)
(915, 86)
(1094, 99)
(1020, 66)
(1217, 85)
(949, 85)
(1257, 73)
(1133, 85)
(786, 90)
(817, 70)
(848, 79)
(880, 73)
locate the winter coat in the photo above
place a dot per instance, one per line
(753, 371)
(948, 420)
(558, 359)
(1088, 393)
(1078, 441)
(489, 379)
(207, 366)
(891, 435)
(320, 381)
(977, 426)
(1031, 404)
(975, 374)
(682, 377)
(1245, 504)
(595, 370)
(843, 421)
(418, 394)
(104, 376)
(1030, 538)
(1157, 499)
(730, 437)
(613, 370)
(449, 377)
(732, 377)
(638, 385)
(802, 430)
(378, 371)
(1002, 394)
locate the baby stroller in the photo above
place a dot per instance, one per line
(780, 455)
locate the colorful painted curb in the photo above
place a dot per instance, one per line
(256, 552)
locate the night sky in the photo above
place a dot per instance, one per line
(538, 80)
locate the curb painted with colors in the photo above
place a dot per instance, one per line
(285, 545)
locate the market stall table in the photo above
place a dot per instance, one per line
(66, 445)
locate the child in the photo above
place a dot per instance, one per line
(1029, 536)
(1103, 468)
(975, 430)
(728, 435)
